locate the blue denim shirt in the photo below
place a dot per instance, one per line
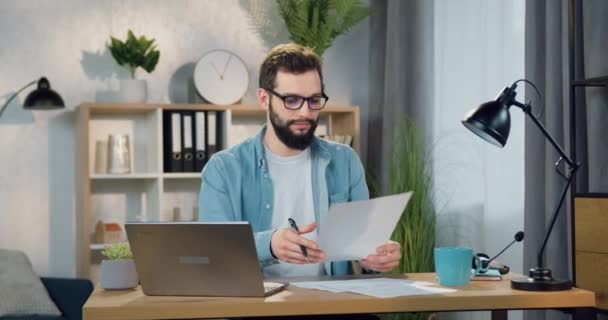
(236, 186)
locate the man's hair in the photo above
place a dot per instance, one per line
(289, 57)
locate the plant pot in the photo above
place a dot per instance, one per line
(133, 90)
(118, 274)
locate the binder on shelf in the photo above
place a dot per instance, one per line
(219, 130)
(187, 141)
(200, 141)
(172, 138)
(212, 132)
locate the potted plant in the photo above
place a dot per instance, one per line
(410, 170)
(132, 54)
(317, 23)
(118, 270)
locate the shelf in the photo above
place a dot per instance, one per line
(99, 246)
(592, 82)
(182, 175)
(134, 108)
(128, 176)
(148, 191)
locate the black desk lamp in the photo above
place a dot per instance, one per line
(43, 98)
(492, 122)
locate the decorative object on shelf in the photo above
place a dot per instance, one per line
(119, 155)
(118, 270)
(221, 77)
(344, 139)
(101, 156)
(141, 217)
(195, 213)
(316, 24)
(492, 122)
(42, 98)
(177, 214)
(108, 232)
(132, 54)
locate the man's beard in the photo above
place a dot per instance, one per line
(291, 140)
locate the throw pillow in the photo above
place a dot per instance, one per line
(21, 290)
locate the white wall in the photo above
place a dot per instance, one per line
(65, 41)
(479, 49)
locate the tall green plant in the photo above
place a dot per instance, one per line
(316, 23)
(410, 170)
(135, 53)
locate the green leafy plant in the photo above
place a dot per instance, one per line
(373, 186)
(410, 170)
(135, 53)
(316, 23)
(118, 251)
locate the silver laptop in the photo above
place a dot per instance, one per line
(197, 259)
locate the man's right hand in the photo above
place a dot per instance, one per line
(285, 244)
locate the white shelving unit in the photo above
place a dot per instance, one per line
(148, 192)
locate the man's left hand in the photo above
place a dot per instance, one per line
(386, 258)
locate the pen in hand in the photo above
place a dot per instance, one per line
(294, 226)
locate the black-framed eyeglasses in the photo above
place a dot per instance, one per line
(295, 102)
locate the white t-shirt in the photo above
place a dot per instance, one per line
(292, 185)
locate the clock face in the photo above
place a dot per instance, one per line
(221, 77)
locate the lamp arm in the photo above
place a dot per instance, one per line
(528, 111)
(573, 167)
(14, 95)
(554, 217)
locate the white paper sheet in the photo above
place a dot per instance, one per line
(353, 230)
(376, 287)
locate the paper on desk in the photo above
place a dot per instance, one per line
(353, 230)
(376, 287)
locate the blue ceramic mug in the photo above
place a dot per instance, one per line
(453, 265)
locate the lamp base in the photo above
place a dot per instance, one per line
(540, 279)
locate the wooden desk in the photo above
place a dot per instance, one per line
(478, 295)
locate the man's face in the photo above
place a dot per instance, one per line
(295, 128)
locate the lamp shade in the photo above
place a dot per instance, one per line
(490, 121)
(43, 97)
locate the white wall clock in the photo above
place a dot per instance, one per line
(221, 77)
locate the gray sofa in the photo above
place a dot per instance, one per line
(68, 294)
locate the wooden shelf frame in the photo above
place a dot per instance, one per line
(148, 179)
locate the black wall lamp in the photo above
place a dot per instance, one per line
(492, 122)
(42, 98)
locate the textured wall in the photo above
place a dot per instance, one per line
(65, 41)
